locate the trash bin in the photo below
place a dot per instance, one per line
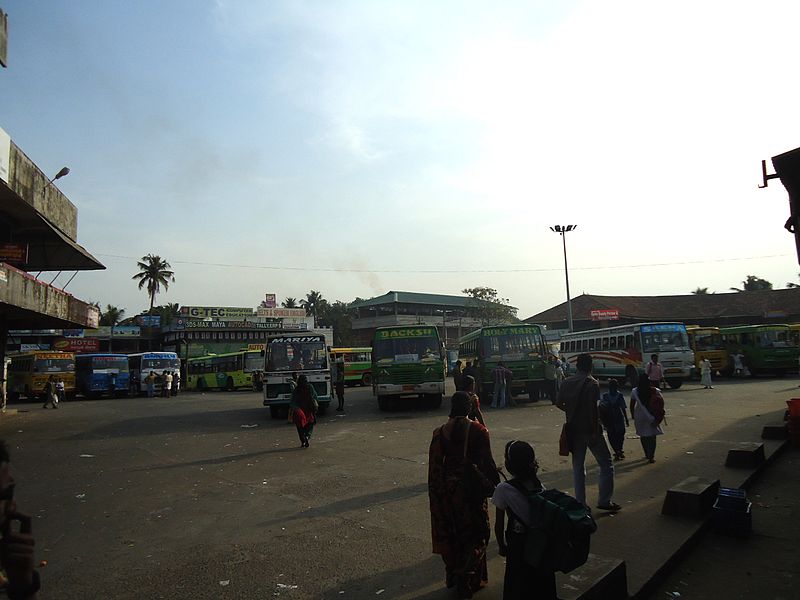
(731, 514)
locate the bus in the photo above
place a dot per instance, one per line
(357, 364)
(706, 342)
(407, 361)
(98, 374)
(142, 363)
(28, 373)
(522, 349)
(229, 371)
(794, 330)
(303, 353)
(767, 349)
(623, 352)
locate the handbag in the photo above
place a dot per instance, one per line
(475, 482)
(563, 442)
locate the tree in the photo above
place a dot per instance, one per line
(793, 285)
(338, 315)
(700, 291)
(314, 303)
(154, 272)
(289, 302)
(168, 312)
(112, 315)
(489, 308)
(753, 284)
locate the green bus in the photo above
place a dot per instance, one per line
(521, 347)
(357, 364)
(767, 349)
(229, 371)
(407, 361)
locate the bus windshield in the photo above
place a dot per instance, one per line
(661, 339)
(513, 346)
(773, 338)
(54, 365)
(158, 364)
(708, 341)
(111, 363)
(406, 350)
(296, 355)
(253, 361)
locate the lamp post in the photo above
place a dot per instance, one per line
(562, 231)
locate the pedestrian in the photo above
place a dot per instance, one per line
(499, 377)
(705, 374)
(550, 378)
(112, 384)
(614, 417)
(654, 370)
(339, 385)
(578, 398)
(166, 384)
(60, 390)
(738, 364)
(475, 411)
(647, 408)
(522, 580)
(150, 382)
(176, 383)
(460, 454)
(565, 366)
(292, 388)
(304, 409)
(458, 376)
(50, 394)
(17, 543)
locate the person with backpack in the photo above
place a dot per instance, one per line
(647, 408)
(614, 417)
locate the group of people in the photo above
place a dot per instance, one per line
(462, 475)
(170, 383)
(54, 391)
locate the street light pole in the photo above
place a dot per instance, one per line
(562, 231)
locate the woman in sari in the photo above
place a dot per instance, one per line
(459, 515)
(304, 407)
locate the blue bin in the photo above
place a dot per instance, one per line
(732, 512)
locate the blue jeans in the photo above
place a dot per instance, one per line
(499, 395)
(151, 390)
(597, 445)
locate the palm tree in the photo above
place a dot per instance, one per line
(700, 291)
(112, 315)
(314, 303)
(289, 302)
(154, 272)
(753, 284)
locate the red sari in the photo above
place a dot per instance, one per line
(460, 521)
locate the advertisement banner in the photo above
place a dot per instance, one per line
(72, 333)
(79, 345)
(605, 314)
(215, 312)
(14, 254)
(104, 331)
(271, 301)
(149, 320)
(281, 312)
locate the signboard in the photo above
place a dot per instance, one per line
(281, 312)
(72, 333)
(183, 324)
(405, 333)
(271, 301)
(149, 320)
(257, 347)
(14, 253)
(77, 345)
(297, 339)
(605, 314)
(215, 312)
(663, 327)
(104, 331)
(5, 148)
(33, 347)
(511, 330)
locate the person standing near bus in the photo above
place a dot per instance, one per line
(167, 384)
(500, 378)
(339, 384)
(655, 372)
(458, 376)
(150, 382)
(50, 396)
(176, 383)
(60, 390)
(705, 374)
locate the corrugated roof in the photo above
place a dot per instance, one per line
(678, 308)
(418, 298)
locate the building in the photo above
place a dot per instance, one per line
(38, 229)
(590, 311)
(454, 316)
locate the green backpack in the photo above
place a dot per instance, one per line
(558, 537)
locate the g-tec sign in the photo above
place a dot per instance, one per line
(215, 312)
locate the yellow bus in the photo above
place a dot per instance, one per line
(357, 364)
(706, 342)
(28, 373)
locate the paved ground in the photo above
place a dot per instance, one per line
(179, 498)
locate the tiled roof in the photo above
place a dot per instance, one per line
(679, 308)
(417, 298)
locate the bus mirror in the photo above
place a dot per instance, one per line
(787, 168)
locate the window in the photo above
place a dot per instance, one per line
(605, 343)
(591, 343)
(613, 343)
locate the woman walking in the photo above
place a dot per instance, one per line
(647, 408)
(304, 409)
(705, 374)
(459, 512)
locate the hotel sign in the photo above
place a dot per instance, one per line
(605, 314)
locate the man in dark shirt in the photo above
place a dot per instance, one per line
(578, 397)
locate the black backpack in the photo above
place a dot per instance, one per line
(558, 537)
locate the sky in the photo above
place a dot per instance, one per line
(357, 147)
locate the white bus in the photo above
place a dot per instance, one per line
(141, 364)
(304, 353)
(623, 352)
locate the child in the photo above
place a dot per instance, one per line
(521, 580)
(614, 416)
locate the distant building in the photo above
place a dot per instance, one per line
(454, 316)
(590, 311)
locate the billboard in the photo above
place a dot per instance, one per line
(281, 312)
(270, 301)
(605, 314)
(79, 345)
(216, 312)
(149, 320)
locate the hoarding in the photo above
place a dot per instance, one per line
(605, 314)
(281, 312)
(215, 312)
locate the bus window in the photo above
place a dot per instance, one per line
(605, 343)
(591, 344)
(629, 342)
(613, 343)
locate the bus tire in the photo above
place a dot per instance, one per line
(632, 376)
(384, 403)
(366, 379)
(229, 384)
(674, 384)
